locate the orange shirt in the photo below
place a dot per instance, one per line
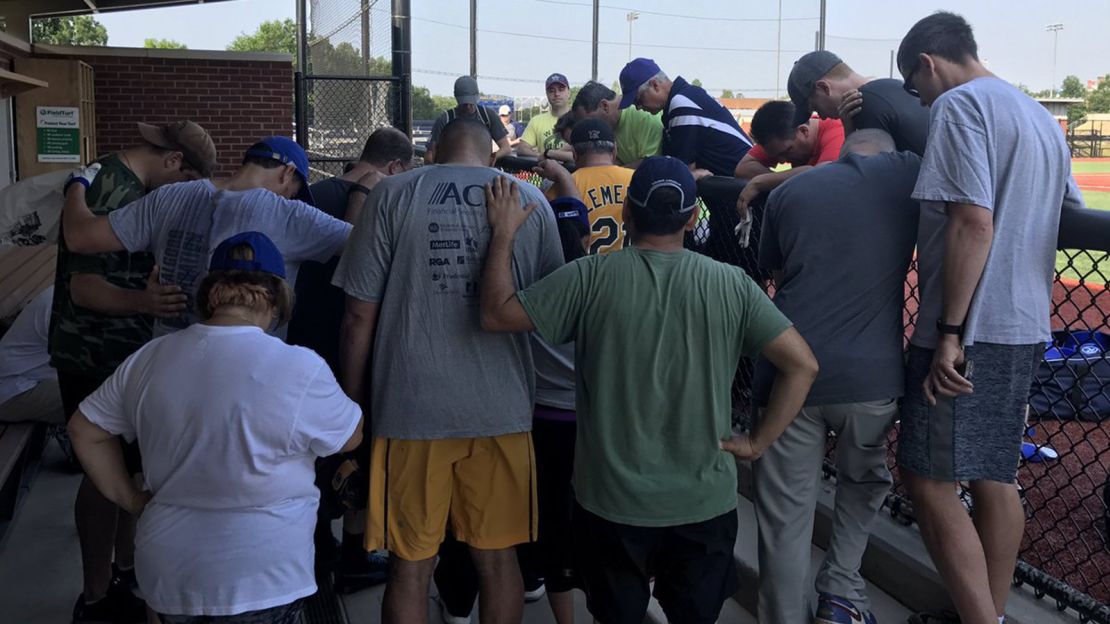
(830, 138)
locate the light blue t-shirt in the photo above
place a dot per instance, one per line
(181, 224)
(992, 146)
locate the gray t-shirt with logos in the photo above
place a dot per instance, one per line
(992, 146)
(418, 251)
(842, 236)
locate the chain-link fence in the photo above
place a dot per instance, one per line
(347, 89)
(1065, 469)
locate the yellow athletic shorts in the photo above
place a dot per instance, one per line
(485, 487)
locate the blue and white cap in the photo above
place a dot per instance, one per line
(288, 152)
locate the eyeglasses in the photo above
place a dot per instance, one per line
(907, 83)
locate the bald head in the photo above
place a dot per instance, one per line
(868, 142)
(463, 139)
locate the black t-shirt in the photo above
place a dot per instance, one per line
(887, 106)
(484, 114)
(319, 308)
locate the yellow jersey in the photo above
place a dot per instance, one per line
(603, 190)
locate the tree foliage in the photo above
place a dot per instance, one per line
(164, 44)
(1098, 101)
(271, 36)
(1072, 87)
(695, 82)
(727, 93)
(78, 30)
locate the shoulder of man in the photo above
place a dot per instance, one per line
(114, 187)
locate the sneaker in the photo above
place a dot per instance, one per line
(358, 570)
(837, 610)
(446, 616)
(129, 607)
(534, 591)
(113, 608)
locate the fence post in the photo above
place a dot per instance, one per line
(402, 65)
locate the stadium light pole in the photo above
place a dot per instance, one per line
(474, 38)
(593, 71)
(631, 17)
(1055, 30)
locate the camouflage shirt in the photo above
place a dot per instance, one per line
(83, 341)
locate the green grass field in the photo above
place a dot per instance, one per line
(1083, 263)
(1102, 166)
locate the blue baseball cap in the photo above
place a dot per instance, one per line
(657, 172)
(267, 258)
(637, 72)
(571, 208)
(286, 151)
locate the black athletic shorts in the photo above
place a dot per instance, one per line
(75, 388)
(692, 565)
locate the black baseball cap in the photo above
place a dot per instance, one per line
(557, 78)
(590, 130)
(803, 80)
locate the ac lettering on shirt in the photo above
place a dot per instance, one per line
(473, 195)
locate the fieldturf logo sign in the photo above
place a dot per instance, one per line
(58, 133)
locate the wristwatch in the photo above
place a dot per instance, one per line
(954, 330)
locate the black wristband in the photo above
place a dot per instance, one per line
(356, 187)
(953, 330)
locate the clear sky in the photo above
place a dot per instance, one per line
(724, 43)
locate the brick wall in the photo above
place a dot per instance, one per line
(237, 101)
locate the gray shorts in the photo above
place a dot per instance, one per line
(974, 436)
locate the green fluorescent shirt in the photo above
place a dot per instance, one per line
(84, 341)
(540, 133)
(639, 135)
(658, 337)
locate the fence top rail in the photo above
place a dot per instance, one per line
(353, 78)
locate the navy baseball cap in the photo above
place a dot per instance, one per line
(637, 72)
(657, 172)
(589, 130)
(803, 80)
(571, 208)
(286, 151)
(267, 258)
(556, 78)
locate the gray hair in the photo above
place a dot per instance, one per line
(868, 141)
(660, 77)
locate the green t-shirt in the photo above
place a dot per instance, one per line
(540, 133)
(83, 341)
(639, 134)
(658, 337)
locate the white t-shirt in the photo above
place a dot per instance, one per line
(24, 360)
(229, 421)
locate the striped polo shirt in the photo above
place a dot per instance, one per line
(697, 129)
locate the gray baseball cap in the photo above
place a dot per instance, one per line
(803, 79)
(466, 90)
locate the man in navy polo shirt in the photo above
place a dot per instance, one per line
(696, 128)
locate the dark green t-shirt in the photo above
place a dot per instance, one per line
(83, 341)
(658, 337)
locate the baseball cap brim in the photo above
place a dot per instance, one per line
(153, 134)
(466, 99)
(628, 99)
(305, 193)
(802, 112)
